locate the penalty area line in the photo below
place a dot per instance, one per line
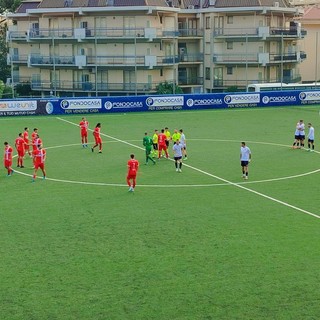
(288, 205)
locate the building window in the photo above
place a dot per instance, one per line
(207, 73)
(229, 45)
(161, 72)
(207, 22)
(229, 70)
(230, 20)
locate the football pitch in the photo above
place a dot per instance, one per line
(201, 244)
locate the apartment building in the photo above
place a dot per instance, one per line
(128, 47)
(310, 21)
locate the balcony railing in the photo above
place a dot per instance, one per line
(92, 86)
(36, 34)
(259, 32)
(190, 32)
(261, 58)
(52, 60)
(294, 56)
(191, 57)
(17, 59)
(242, 84)
(16, 35)
(235, 32)
(190, 81)
(236, 58)
(96, 61)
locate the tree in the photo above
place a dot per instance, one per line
(9, 5)
(168, 88)
(5, 6)
(4, 68)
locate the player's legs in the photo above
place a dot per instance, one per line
(184, 151)
(295, 142)
(20, 158)
(160, 148)
(166, 151)
(245, 171)
(148, 157)
(96, 144)
(41, 166)
(155, 150)
(244, 166)
(178, 163)
(34, 173)
(131, 185)
(302, 141)
(310, 145)
(8, 165)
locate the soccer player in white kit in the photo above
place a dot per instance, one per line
(299, 135)
(177, 155)
(183, 141)
(310, 137)
(302, 134)
(245, 157)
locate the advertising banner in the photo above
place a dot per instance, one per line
(87, 105)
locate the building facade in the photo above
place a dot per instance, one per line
(310, 21)
(127, 47)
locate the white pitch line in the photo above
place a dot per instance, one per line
(105, 135)
(253, 191)
(221, 179)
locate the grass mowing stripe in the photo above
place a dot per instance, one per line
(217, 177)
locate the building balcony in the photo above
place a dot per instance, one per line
(132, 61)
(258, 58)
(82, 61)
(192, 33)
(190, 81)
(49, 61)
(260, 32)
(236, 58)
(91, 86)
(96, 34)
(241, 84)
(288, 57)
(16, 36)
(17, 59)
(191, 58)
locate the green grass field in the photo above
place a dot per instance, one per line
(203, 244)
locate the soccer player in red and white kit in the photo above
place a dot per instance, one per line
(7, 159)
(36, 142)
(26, 141)
(39, 156)
(84, 125)
(97, 138)
(34, 135)
(133, 166)
(162, 145)
(19, 144)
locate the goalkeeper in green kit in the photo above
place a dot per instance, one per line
(147, 142)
